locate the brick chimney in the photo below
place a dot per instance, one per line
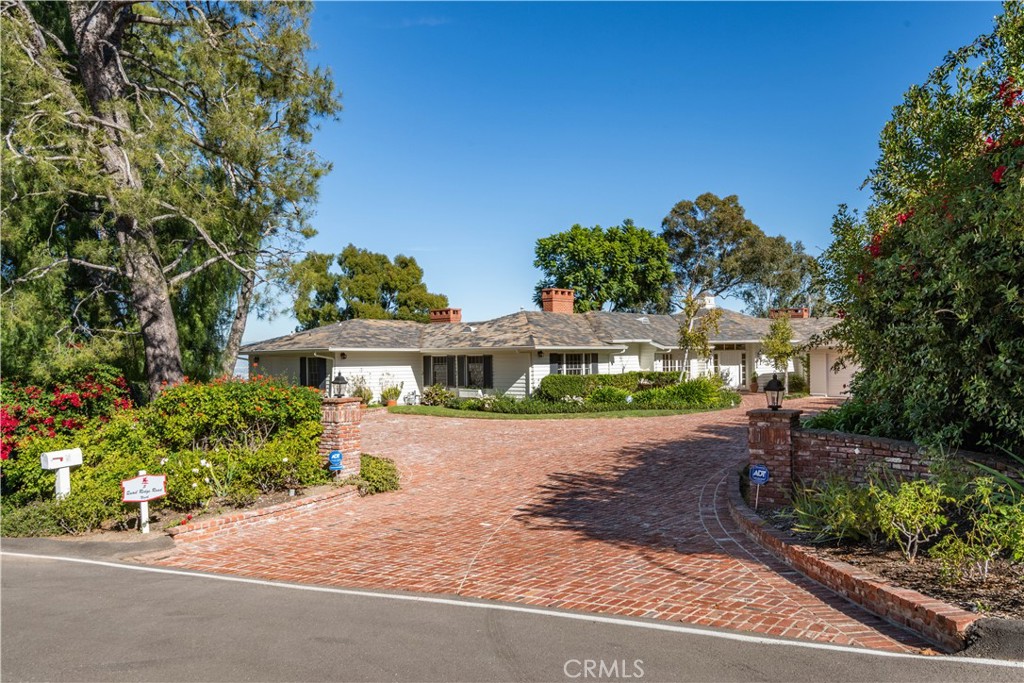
(789, 312)
(554, 300)
(446, 315)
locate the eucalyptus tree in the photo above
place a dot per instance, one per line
(166, 145)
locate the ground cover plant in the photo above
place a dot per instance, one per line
(225, 442)
(958, 535)
(575, 394)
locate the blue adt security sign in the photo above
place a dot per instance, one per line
(335, 461)
(758, 474)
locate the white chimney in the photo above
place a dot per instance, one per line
(708, 301)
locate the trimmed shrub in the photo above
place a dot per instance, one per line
(557, 387)
(377, 475)
(608, 395)
(230, 412)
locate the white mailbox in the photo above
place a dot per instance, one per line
(55, 460)
(62, 461)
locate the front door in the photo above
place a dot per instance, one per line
(730, 365)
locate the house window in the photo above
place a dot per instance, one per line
(459, 371)
(438, 370)
(573, 364)
(312, 372)
(475, 371)
(743, 369)
(667, 363)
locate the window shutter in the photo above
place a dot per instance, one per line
(488, 372)
(302, 372)
(556, 363)
(463, 372)
(593, 364)
(427, 379)
(453, 362)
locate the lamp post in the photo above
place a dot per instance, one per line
(338, 385)
(773, 391)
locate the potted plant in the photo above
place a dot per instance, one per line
(753, 385)
(389, 391)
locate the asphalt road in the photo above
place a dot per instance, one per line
(87, 620)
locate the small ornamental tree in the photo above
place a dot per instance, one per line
(929, 283)
(778, 347)
(695, 331)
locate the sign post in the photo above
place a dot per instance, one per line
(143, 489)
(62, 461)
(758, 476)
(334, 462)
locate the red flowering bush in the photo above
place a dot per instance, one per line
(60, 410)
(930, 279)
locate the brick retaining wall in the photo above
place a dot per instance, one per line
(268, 515)
(938, 622)
(793, 454)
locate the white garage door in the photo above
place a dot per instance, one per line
(837, 383)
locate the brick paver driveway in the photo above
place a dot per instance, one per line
(620, 516)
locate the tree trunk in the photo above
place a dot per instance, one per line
(238, 324)
(98, 29)
(152, 305)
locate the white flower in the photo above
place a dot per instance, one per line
(163, 461)
(202, 463)
(195, 485)
(206, 479)
(284, 459)
(195, 470)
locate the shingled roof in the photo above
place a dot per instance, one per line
(526, 330)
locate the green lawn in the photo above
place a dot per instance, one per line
(439, 411)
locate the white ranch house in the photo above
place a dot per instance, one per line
(513, 353)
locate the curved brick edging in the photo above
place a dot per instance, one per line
(936, 621)
(208, 527)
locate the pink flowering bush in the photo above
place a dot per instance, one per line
(59, 410)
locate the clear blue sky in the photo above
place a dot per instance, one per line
(471, 130)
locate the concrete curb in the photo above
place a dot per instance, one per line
(268, 515)
(942, 624)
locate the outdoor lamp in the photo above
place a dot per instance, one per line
(339, 382)
(773, 391)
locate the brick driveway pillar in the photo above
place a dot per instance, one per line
(770, 438)
(341, 418)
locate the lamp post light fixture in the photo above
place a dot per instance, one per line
(773, 391)
(338, 385)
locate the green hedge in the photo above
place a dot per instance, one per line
(703, 393)
(560, 387)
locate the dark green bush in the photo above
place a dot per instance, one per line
(559, 387)
(797, 384)
(859, 417)
(230, 412)
(377, 475)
